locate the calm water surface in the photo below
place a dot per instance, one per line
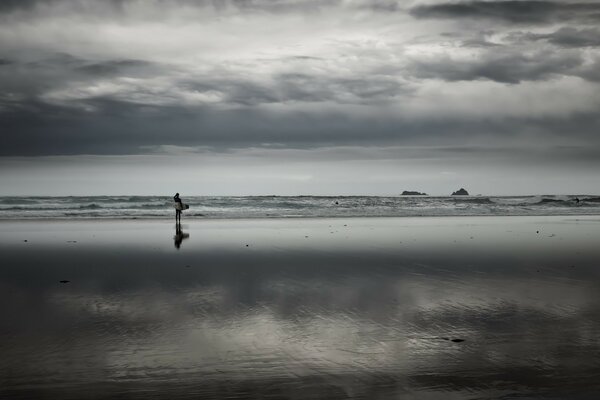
(426, 308)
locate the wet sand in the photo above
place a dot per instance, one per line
(369, 308)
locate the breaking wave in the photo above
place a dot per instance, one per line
(122, 207)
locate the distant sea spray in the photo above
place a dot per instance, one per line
(220, 207)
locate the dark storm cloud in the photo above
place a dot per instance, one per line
(65, 67)
(125, 128)
(60, 78)
(31, 8)
(276, 7)
(25, 83)
(515, 12)
(591, 72)
(566, 37)
(120, 76)
(500, 66)
(114, 67)
(120, 127)
(9, 5)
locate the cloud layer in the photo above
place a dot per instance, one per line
(125, 76)
(112, 77)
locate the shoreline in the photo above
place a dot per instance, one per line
(336, 217)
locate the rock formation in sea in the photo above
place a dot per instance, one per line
(460, 192)
(413, 193)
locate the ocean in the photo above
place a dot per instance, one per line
(233, 207)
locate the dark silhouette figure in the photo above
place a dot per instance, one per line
(577, 200)
(178, 208)
(179, 236)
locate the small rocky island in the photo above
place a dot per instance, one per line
(460, 192)
(413, 193)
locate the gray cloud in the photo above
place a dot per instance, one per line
(122, 77)
(591, 72)
(116, 7)
(114, 67)
(118, 127)
(512, 11)
(500, 66)
(567, 37)
(10, 5)
(63, 81)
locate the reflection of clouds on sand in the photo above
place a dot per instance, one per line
(205, 332)
(207, 328)
(362, 320)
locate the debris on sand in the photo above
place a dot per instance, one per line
(453, 340)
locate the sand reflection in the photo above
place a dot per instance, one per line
(360, 319)
(180, 235)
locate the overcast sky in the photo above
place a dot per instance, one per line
(299, 97)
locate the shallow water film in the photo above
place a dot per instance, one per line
(361, 308)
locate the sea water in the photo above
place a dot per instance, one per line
(225, 207)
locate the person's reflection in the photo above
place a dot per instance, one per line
(179, 235)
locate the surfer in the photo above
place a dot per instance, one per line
(178, 208)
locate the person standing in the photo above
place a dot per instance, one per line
(178, 208)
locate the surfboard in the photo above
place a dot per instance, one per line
(181, 206)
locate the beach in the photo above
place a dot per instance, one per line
(329, 308)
